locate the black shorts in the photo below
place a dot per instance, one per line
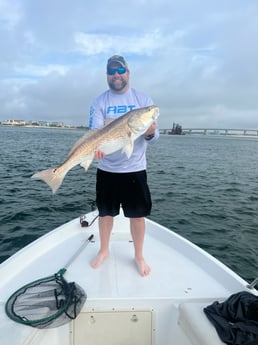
(129, 190)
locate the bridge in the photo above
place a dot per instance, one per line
(214, 131)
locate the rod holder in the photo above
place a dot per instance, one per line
(252, 285)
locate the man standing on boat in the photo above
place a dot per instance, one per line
(122, 181)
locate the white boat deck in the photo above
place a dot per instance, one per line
(181, 273)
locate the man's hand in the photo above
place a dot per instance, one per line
(151, 129)
(99, 155)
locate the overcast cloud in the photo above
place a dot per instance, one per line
(196, 59)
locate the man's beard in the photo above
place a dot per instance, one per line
(113, 86)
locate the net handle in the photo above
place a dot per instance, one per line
(76, 254)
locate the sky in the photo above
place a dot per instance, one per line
(197, 60)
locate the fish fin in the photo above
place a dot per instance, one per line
(128, 149)
(52, 177)
(79, 141)
(86, 163)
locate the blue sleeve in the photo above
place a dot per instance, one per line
(97, 119)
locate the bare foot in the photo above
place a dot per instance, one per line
(143, 267)
(99, 259)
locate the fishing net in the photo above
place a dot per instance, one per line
(46, 303)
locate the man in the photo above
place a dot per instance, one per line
(122, 181)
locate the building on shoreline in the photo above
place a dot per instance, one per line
(42, 124)
(14, 122)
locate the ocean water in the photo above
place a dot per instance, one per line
(205, 188)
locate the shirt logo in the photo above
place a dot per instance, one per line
(119, 109)
(91, 117)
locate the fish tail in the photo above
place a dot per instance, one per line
(52, 177)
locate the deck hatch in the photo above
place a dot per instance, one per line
(113, 327)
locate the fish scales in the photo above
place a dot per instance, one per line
(119, 134)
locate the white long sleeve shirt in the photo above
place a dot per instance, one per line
(110, 105)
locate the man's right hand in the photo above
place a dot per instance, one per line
(99, 155)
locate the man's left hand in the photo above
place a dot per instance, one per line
(151, 129)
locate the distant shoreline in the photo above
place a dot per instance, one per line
(230, 135)
(44, 127)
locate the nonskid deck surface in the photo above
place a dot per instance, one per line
(180, 273)
(172, 275)
(177, 272)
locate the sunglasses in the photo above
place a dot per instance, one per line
(119, 70)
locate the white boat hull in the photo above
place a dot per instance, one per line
(122, 307)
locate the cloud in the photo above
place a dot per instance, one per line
(10, 14)
(196, 59)
(145, 44)
(40, 71)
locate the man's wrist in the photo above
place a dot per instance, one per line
(150, 136)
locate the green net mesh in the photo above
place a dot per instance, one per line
(46, 303)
